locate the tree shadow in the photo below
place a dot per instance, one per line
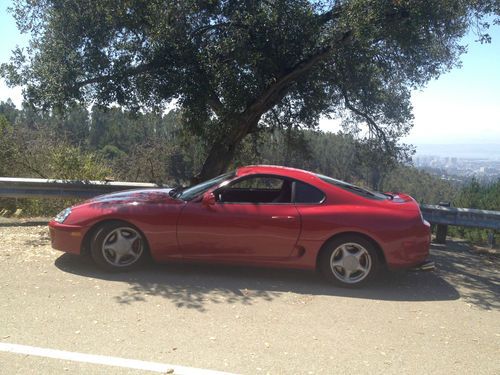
(195, 286)
(475, 276)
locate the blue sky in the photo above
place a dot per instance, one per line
(461, 107)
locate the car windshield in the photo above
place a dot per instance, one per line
(353, 188)
(196, 190)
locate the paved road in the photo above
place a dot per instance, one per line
(244, 320)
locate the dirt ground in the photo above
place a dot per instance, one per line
(246, 320)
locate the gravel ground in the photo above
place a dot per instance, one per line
(246, 320)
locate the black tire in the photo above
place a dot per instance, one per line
(118, 246)
(357, 261)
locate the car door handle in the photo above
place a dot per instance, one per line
(283, 217)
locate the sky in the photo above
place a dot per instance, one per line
(461, 107)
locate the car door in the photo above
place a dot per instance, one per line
(253, 218)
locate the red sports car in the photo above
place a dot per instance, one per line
(258, 215)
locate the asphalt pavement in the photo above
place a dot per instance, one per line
(243, 320)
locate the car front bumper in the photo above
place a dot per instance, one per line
(66, 237)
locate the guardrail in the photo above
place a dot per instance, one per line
(443, 216)
(464, 217)
(42, 188)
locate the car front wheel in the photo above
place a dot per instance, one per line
(349, 261)
(117, 246)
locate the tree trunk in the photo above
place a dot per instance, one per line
(218, 160)
(375, 178)
(223, 150)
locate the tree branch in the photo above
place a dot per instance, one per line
(215, 103)
(204, 29)
(372, 125)
(277, 90)
(133, 71)
(330, 15)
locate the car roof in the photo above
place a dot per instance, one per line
(276, 169)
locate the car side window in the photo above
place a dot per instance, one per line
(257, 189)
(305, 193)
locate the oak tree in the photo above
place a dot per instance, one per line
(237, 66)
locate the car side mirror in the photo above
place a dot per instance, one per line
(208, 199)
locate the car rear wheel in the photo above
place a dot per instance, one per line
(118, 246)
(349, 261)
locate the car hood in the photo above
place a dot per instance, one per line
(131, 196)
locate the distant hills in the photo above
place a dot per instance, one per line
(477, 151)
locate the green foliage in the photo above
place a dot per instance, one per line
(73, 124)
(150, 161)
(6, 148)
(334, 155)
(36, 146)
(6, 131)
(58, 161)
(111, 152)
(111, 126)
(71, 163)
(424, 187)
(9, 111)
(475, 195)
(484, 197)
(63, 161)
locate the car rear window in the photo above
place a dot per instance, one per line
(366, 193)
(305, 193)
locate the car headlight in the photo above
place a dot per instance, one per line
(61, 216)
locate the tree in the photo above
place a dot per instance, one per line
(9, 111)
(6, 131)
(237, 66)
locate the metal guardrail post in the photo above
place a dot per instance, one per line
(442, 229)
(491, 239)
(441, 233)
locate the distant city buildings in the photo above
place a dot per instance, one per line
(459, 169)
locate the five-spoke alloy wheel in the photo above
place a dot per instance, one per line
(349, 260)
(117, 246)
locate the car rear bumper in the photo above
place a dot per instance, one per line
(412, 251)
(66, 238)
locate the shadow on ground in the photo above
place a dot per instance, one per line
(195, 286)
(475, 276)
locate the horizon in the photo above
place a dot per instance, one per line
(484, 151)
